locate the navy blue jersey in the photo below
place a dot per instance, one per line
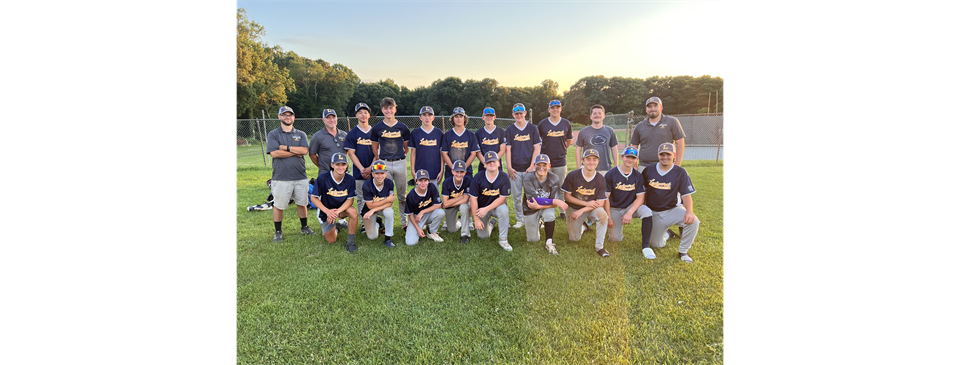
(416, 203)
(491, 142)
(662, 188)
(487, 191)
(451, 190)
(555, 140)
(458, 147)
(428, 150)
(576, 184)
(331, 193)
(622, 189)
(360, 142)
(390, 139)
(372, 195)
(521, 142)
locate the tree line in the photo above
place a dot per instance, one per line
(268, 77)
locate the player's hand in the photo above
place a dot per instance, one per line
(626, 219)
(477, 223)
(560, 204)
(610, 223)
(439, 175)
(512, 173)
(419, 216)
(531, 168)
(533, 204)
(689, 218)
(576, 214)
(365, 173)
(368, 215)
(420, 231)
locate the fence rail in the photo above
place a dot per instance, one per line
(704, 132)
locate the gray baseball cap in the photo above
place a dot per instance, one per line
(327, 112)
(541, 158)
(667, 147)
(653, 100)
(591, 152)
(459, 166)
(422, 174)
(490, 156)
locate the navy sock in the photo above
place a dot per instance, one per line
(303, 222)
(276, 225)
(548, 229)
(681, 231)
(646, 228)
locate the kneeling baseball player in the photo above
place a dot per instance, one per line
(663, 181)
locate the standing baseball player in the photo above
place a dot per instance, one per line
(490, 138)
(656, 129)
(390, 141)
(456, 200)
(359, 148)
(625, 194)
(287, 146)
(586, 195)
(557, 135)
(333, 194)
(327, 141)
(423, 210)
(459, 143)
(663, 181)
(378, 200)
(540, 192)
(425, 147)
(488, 192)
(523, 142)
(599, 137)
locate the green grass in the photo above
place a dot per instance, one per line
(306, 301)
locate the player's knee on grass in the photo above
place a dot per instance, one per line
(331, 236)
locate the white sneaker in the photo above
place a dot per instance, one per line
(583, 228)
(506, 245)
(648, 253)
(458, 225)
(518, 225)
(666, 235)
(434, 236)
(551, 248)
(686, 258)
(472, 228)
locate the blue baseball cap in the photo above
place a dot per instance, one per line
(459, 110)
(379, 166)
(286, 109)
(338, 157)
(541, 158)
(490, 156)
(653, 100)
(554, 103)
(667, 147)
(460, 165)
(361, 106)
(518, 107)
(426, 109)
(327, 112)
(489, 110)
(422, 174)
(591, 152)
(630, 151)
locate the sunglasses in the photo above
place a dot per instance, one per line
(555, 103)
(379, 167)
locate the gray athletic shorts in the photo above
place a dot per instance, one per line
(283, 190)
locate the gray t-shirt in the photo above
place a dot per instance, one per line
(650, 137)
(325, 145)
(533, 188)
(601, 140)
(290, 168)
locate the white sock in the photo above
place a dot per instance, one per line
(549, 241)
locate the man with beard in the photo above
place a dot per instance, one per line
(663, 182)
(287, 146)
(649, 134)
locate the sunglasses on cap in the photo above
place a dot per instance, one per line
(379, 167)
(555, 103)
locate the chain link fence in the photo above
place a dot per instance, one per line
(704, 132)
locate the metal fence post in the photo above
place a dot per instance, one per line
(719, 142)
(263, 152)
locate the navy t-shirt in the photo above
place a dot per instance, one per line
(428, 150)
(458, 147)
(372, 195)
(487, 191)
(390, 139)
(555, 140)
(416, 203)
(623, 190)
(331, 193)
(490, 142)
(521, 142)
(576, 184)
(662, 188)
(451, 190)
(360, 142)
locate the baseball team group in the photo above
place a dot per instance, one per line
(607, 190)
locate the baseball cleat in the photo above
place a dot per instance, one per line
(603, 253)
(648, 253)
(685, 258)
(306, 230)
(278, 236)
(506, 245)
(434, 237)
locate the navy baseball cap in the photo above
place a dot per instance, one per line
(284, 109)
(541, 158)
(591, 152)
(426, 109)
(489, 110)
(459, 110)
(554, 103)
(338, 157)
(379, 166)
(460, 165)
(422, 174)
(667, 147)
(518, 107)
(653, 100)
(361, 106)
(630, 151)
(327, 112)
(490, 156)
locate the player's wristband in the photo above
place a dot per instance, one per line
(288, 148)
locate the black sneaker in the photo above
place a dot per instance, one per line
(363, 229)
(387, 242)
(340, 226)
(352, 247)
(306, 230)
(671, 233)
(383, 229)
(464, 239)
(563, 215)
(278, 236)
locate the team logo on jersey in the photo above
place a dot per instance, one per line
(490, 142)
(598, 140)
(337, 193)
(542, 193)
(296, 138)
(456, 195)
(491, 192)
(428, 142)
(555, 133)
(425, 203)
(519, 138)
(663, 126)
(365, 142)
(378, 198)
(660, 185)
(625, 187)
(341, 138)
(394, 134)
(586, 192)
(456, 144)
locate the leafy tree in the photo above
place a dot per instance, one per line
(261, 84)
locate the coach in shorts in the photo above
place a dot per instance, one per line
(287, 146)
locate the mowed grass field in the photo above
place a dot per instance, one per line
(306, 301)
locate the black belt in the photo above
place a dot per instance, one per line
(393, 160)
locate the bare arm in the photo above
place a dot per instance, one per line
(576, 158)
(688, 218)
(376, 150)
(445, 156)
(680, 145)
(413, 163)
(615, 152)
(315, 159)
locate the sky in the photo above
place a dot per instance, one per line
(516, 43)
